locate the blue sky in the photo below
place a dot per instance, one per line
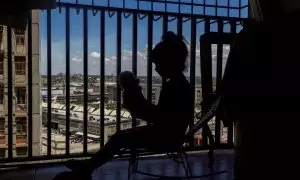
(58, 35)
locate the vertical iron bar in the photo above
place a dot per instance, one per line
(192, 7)
(29, 74)
(240, 5)
(206, 69)
(165, 30)
(102, 67)
(228, 8)
(134, 43)
(216, 8)
(165, 24)
(134, 51)
(193, 65)
(204, 7)
(67, 81)
(49, 82)
(219, 79)
(10, 93)
(149, 63)
(230, 125)
(232, 28)
(85, 80)
(119, 56)
(179, 25)
(151, 5)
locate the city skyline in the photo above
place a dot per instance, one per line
(126, 64)
(76, 39)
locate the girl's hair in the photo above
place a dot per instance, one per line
(172, 50)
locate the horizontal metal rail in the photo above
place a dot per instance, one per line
(140, 11)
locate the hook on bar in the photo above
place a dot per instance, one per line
(186, 20)
(95, 11)
(200, 21)
(111, 14)
(156, 19)
(77, 11)
(142, 17)
(127, 15)
(172, 19)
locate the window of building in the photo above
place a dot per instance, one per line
(20, 95)
(1, 65)
(1, 94)
(20, 39)
(20, 65)
(1, 32)
(19, 32)
(19, 36)
(2, 126)
(21, 127)
(2, 132)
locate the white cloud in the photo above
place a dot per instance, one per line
(95, 55)
(76, 59)
(127, 52)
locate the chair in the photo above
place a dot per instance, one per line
(178, 152)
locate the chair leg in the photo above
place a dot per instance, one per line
(129, 171)
(211, 160)
(132, 167)
(186, 166)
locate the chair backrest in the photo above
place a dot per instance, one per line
(211, 102)
(206, 116)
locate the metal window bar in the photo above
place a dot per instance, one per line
(193, 64)
(118, 67)
(206, 68)
(230, 126)
(49, 82)
(67, 81)
(9, 93)
(85, 80)
(29, 87)
(165, 30)
(165, 23)
(102, 72)
(219, 78)
(179, 26)
(149, 63)
(134, 52)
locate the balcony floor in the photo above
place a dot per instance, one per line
(117, 170)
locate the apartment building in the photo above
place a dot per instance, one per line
(20, 90)
(198, 96)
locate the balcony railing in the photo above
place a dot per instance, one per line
(63, 127)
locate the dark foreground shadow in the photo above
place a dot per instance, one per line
(68, 176)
